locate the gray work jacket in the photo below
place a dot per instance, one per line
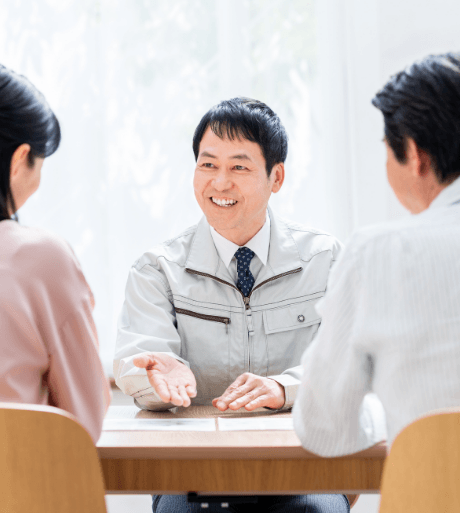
(182, 301)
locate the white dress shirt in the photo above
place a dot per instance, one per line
(260, 244)
(390, 325)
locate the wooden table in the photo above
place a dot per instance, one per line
(227, 462)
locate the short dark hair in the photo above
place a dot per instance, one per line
(423, 102)
(25, 117)
(248, 119)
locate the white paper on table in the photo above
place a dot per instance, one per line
(159, 425)
(256, 424)
(122, 412)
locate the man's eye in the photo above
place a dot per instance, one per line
(240, 168)
(207, 164)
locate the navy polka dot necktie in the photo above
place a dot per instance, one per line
(245, 278)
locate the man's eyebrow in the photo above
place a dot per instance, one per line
(241, 156)
(206, 154)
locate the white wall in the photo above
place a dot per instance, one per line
(371, 40)
(410, 30)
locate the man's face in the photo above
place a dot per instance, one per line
(232, 187)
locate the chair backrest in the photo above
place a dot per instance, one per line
(422, 471)
(48, 462)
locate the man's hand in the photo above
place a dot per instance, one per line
(173, 381)
(252, 392)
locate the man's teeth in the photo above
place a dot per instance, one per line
(224, 202)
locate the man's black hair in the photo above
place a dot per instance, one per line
(423, 102)
(244, 118)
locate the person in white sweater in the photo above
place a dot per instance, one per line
(391, 312)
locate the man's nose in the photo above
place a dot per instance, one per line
(222, 180)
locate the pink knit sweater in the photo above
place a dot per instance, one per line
(48, 340)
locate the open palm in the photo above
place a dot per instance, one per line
(173, 381)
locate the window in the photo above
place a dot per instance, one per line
(129, 81)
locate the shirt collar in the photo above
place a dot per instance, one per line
(449, 195)
(260, 244)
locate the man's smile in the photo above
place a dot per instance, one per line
(223, 202)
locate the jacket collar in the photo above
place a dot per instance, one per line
(203, 256)
(283, 255)
(449, 195)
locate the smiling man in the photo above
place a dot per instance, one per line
(222, 313)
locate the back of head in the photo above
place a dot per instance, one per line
(248, 119)
(25, 118)
(423, 103)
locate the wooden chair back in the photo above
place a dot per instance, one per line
(48, 462)
(422, 471)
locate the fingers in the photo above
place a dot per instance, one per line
(160, 386)
(179, 395)
(240, 380)
(184, 396)
(247, 398)
(159, 361)
(258, 402)
(272, 396)
(251, 393)
(230, 396)
(232, 392)
(176, 398)
(191, 390)
(144, 361)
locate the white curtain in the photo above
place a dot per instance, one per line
(130, 79)
(361, 43)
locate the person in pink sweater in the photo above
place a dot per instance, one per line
(48, 340)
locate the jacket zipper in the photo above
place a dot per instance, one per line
(215, 318)
(245, 299)
(294, 271)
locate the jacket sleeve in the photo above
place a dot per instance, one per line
(335, 412)
(147, 323)
(291, 378)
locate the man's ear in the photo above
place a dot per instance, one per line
(419, 160)
(277, 175)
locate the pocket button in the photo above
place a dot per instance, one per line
(300, 318)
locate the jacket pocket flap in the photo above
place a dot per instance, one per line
(292, 317)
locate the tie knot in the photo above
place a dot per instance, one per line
(244, 255)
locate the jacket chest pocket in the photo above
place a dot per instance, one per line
(288, 332)
(205, 317)
(205, 345)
